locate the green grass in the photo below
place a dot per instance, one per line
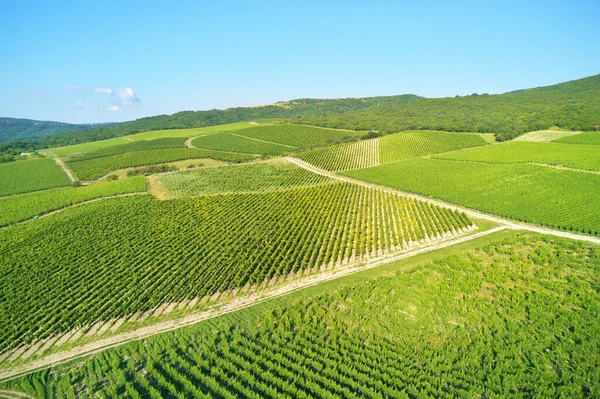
(272, 175)
(513, 318)
(112, 258)
(25, 206)
(544, 136)
(300, 136)
(583, 138)
(135, 146)
(555, 198)
(569, 155)
(85, 147)
(187, 133)
(360, 154)
(31, 175)
(95, 168)
(412, 144)
(234, 143)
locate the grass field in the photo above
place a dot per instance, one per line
(25, 206)
(95, 168)
(583, 138)
(111, 259)
(135, 146)
(235, 143)
(412, 144)
(31, 175)
(272, 175)
(300, 136)
(360, 154)
(473, 324)
(569, 155)
(542, 136)
(556, 198)
(85, 147)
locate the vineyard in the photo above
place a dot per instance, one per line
(569, 155)
(85, 147)
(31, 175)
(134, 146)
(272, 175)
(300, 136)
(412, 144)
(583, 138)
(408, 333)
(95, 266)
(558, 199)
(25, 206)
(360, 154)
(91, 169)
(235, 143)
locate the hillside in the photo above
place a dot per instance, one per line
(13, 129)
(573, 105)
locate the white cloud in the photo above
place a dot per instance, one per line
(128, 97)
(75, 88)
(102, 90)
(113, 108)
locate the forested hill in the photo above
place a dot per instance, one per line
(189, 119)
(573, 105)
(12, 129)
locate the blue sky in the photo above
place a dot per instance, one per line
(98, 61)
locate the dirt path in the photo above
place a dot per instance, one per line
(232, 306)
(14, 395)
(155, 188)
(507, 222)
(68, 171)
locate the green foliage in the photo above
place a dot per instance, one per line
(119, 256)
(235, 143)
(13, 129)
(569, 155)
(136, 146)
(360, 154)
(515, 318)
(572, 105)
(583, 138)
(150, 170)
(555, 198)
(91, 169)
(300, 136)
(272, 175)
(406, 145)
(25, 206)
(31, 175)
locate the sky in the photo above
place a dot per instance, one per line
(111, 61)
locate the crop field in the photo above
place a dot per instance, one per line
(582, 138)
(112, 259)
(559, 199)
(85, 147)
(546, 136)
(31, 175)
(570, 155)
(407, 333)
(135, 146)
(91, 169)
(360, 154)
(25, 206)
(272, 175)
(300, 136)
(235, 143)
(411, 144)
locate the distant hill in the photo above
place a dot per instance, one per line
(12, 129)
(573, 105)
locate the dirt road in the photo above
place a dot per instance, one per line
(68, 171)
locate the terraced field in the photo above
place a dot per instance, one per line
(474, 324)
(25, 206)
(360, 154)
(236, 143)
(272, 175)
(31, 175)
(83, 271)
(558, 199)
(570, 155)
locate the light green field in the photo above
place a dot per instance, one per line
(31, 175)
(347, 156)
(85, 147)
(544, 136)
(514, 317)
(235, 143)
(576, 156)
(411, 144)
(300, 136)
(25, 206)
(272, 175)
(583, 138)
(556, 198)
